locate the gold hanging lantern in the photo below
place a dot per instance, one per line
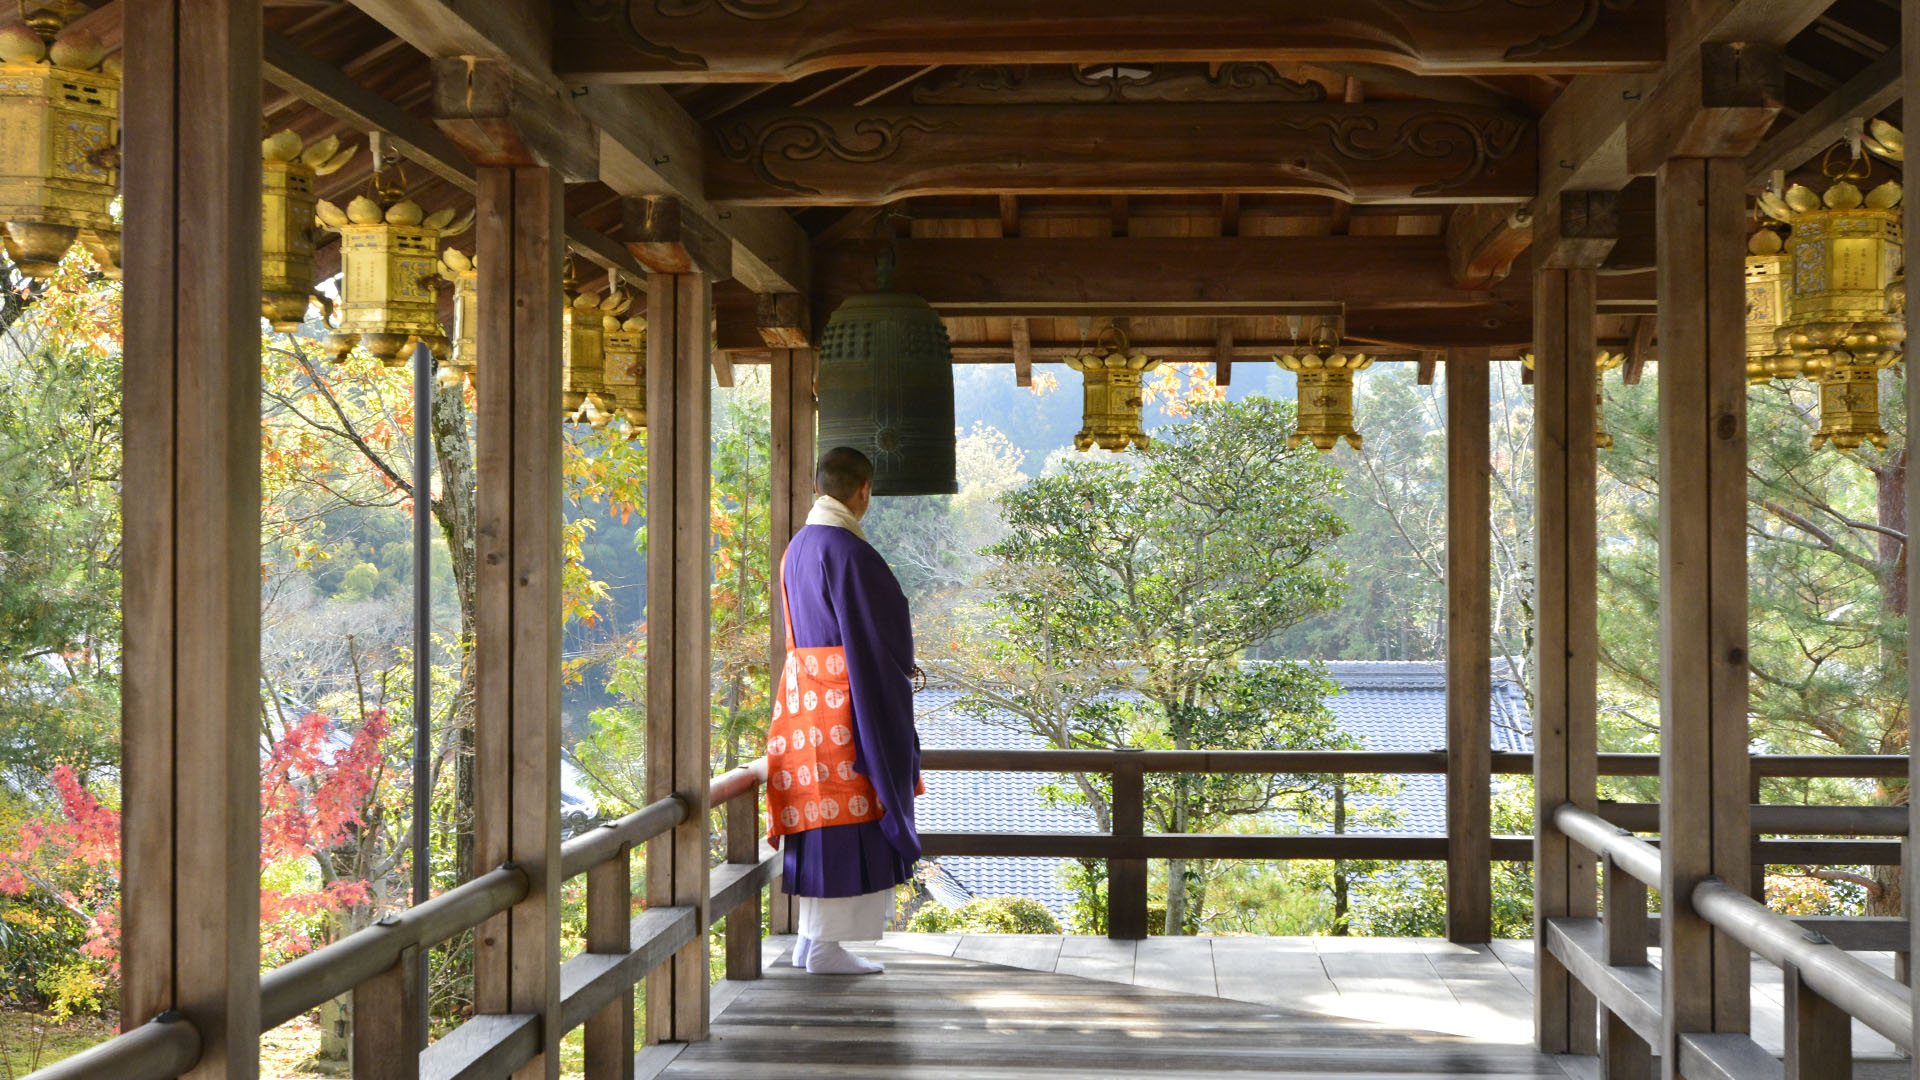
(583, 350)
(1325, 392)
(59, 142)
(287, 230)
(1111, 416)
(626, 370)
(1846, 251)
(389, 274)
(458, 269)
(1603, 362)
(1767, 308)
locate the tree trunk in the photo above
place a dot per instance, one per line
(455, 511)
(1892, 513)
(1339, 867)
(335, 1055)
(1177, 868)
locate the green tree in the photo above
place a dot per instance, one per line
(1169, 565)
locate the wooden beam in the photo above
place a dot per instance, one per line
(1370, 152)
(1428, 363)
(1469, 652)
(332, 92)
(1870, 91)
(190, 707)
(670, 237)
(1188, 275)
(500, 117)
(1483, 240)
(648, 143)
(1719, 102)
(1639, 350)
(1703, 586)
(1223, 354)
(629, 41)
(1566, 632)
(679, 473)
(1022, 352)
(519, 250)
(1583, 136)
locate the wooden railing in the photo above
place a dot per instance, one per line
(1825, 988)
(1128, 846)
(378, 965)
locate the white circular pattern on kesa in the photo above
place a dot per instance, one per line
(835, 699)
(804, 775)
(836, 664)
(841, 734)
(793, 677)
(814, 734)
(813, 811)
(777, 744)
(782, 780)
(857, 806)
(793, 701)
(820, 771)
(846, 770)
(789, 817)
(811, 701)
(799, 739)
(813, 664)
(829, 809)
(776, 708)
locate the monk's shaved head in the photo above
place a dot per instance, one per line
(842, 472)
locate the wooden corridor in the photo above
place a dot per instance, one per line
(1049, 1007)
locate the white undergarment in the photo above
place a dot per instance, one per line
(844, 918)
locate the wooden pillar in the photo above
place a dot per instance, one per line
(1565, 665)
(519, 245)
(1701, 215)
(679, 651)
(794, 412)
(190, 707)
(1910, 78)
(1469, 651)
(1127, 878)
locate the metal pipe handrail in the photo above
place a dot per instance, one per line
(1369, 762)
(1593, 832)
(1843, 980)
(159, 1049)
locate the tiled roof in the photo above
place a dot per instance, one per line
(1386, 705)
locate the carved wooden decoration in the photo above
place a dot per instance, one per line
(1384, 151)
(1026, 84)
(776, 40)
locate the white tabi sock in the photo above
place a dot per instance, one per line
(800, 950)
(828, 958)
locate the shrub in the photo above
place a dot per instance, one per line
(986, 915)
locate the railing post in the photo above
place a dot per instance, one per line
(608, 1038)
(1469, 651)
(1623, 1054)
(190, 702)
(679, 656)
(1757, 874)
(1819, 1035)
(386, 1022)
(1127, 877)
(743, 922)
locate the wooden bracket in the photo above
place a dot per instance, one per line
(498, 119)
(670, 237)
(1428, 362)
(1022, 351)
(1719, 104)
(783, 320)
(1579, 232)
(1483, 240)
(1223, 354)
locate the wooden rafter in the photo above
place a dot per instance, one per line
(1380, 152)
(777, 40)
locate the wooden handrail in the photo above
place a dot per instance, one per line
(1369, 762)
(1596, 834)
(159, 1049)
(1847, 982)
(595, 846)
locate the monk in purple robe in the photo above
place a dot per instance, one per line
(841, 593)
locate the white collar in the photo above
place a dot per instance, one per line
(828, 510)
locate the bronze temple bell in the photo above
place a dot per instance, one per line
(886, 389)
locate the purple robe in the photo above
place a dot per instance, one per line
(842, 592)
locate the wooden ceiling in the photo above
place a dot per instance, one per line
(1220, 172)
